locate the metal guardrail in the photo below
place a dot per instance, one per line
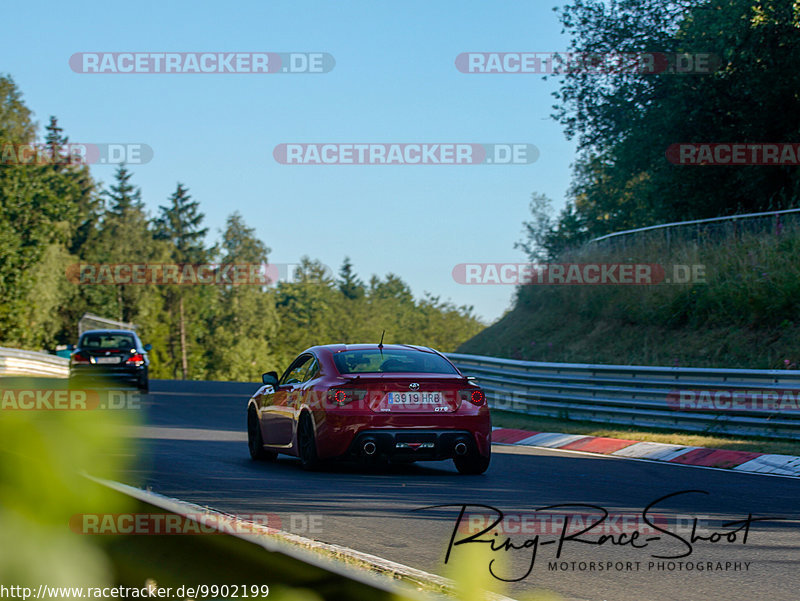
(698, 230)
(14, 362)
(626, 395)
(634, 395)
(696, 222)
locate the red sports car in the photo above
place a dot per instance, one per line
(400, 402)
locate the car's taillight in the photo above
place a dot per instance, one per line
(136, 359)
(79, 357)
(343, 396)
(474, 396)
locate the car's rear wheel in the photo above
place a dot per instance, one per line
(144, 385)
(255, 443)
(306, 444)
(472, 464)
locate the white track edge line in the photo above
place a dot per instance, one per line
(622, 457)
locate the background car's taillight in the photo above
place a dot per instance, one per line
(136, 359)
(79, 358)
(343, 396)
(474, 396)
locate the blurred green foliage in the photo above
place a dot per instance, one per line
(43, 456)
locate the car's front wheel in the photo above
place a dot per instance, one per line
(472, 464)
(255, 443)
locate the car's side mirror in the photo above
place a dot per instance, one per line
(148, 347)
(270, 378)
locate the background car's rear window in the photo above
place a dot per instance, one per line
(391, 361)
(107, 341)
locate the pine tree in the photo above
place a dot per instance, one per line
(349, 283)
(16, 124)
(123, 237)
(39, 208)
(243, 325)
(179, 224)
(124, 199)
(56, 141)
(240, 244)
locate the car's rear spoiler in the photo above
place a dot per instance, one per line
(380, 377)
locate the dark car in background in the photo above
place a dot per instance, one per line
(397, 402)
(110, 355)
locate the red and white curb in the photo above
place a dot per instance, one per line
(743, 461)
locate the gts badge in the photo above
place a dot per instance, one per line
(439, 409)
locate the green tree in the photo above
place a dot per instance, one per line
(624, 123)
(123, 235)
(55, 304)
(244, 323)
(39, 209)
(544, 237)
(179, 224)
(240, 243)
(307, 306)
(391, 287)
(349, 283)
(16, 125)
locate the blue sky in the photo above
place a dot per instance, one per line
(394, 81)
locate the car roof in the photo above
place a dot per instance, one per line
(338, 348)
(108, 332)
(327, 352)
(101, 332)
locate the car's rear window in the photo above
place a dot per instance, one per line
(107, 341)
(391, 361)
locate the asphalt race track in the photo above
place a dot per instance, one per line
(194, 448)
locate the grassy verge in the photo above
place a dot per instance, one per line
(505, 419)
(743, 315)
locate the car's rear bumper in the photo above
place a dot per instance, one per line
(343, 434)
(110, 373)
(413, 444)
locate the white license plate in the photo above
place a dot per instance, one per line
(107, 360)
(414, 398)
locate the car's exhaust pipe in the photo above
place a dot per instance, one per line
(369, 448)
(461, 448)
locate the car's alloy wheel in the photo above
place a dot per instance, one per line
(471, 464)
(306, 445)
(254, 441)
